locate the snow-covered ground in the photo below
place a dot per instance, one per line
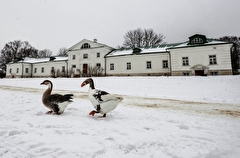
(180, 117)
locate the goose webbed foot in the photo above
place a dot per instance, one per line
(49, 112)
(93, 112)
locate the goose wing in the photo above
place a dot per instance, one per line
(99, 95)
(58, 98)
(103, 96)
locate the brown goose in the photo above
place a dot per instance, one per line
(102, 101)
(55, 102)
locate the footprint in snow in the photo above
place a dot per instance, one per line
(184, 127)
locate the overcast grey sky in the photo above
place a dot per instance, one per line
(53, 24)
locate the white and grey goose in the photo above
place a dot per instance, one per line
(102, 101)
(55, 102)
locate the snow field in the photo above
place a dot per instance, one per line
(140, 126)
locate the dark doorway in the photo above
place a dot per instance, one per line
(85, 68)
(199, 72)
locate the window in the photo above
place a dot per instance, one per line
(149, 64)
(74, 57)
(185, 61)
(17, 70)
(10, 70)
(129, 67)
(73, 66)
(26, 70)
(42, 69)
(185, 74)
(165, 63)
(53, 71)
(85, 45)
(212, 59)
(35, 70)
(197, 41)
(63, 68)
(85, 56)
(111, 66)
(98, 64)
(98, 55)
(214, 73)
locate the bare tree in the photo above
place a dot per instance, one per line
(16, 50)
(79, 72)
(44, 53)
(58, 73)
(142, 38)
(71, 72)
(53, 73)
(62, 52)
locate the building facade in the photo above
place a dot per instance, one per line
(86, 58)
(42, 67)
(198, 56)
(201, 56)
(152, 61)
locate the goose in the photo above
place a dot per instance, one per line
(102, 101)
(55, 102)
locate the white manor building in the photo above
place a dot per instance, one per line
(198, 56)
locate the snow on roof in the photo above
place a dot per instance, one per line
(41, 60)
(159, 48)
(209, 42)
(146, 50)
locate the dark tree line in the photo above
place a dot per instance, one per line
(18, 50)
(235, 51)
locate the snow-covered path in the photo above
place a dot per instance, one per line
(139, 127)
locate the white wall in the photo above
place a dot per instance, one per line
(48, 67)
(200, 55)
(138, 64)
(21, 70)
(92, 59)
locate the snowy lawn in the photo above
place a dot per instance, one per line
(181, 117)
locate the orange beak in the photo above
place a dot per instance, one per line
(83, 84)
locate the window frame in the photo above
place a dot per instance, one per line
(165, 64)
(98, 65)
(85, 46)
(111, 66)
(98, 55)
(186, 74)
(85, 56)
(212, 60)
(185, 61)
(148, 64)
(129, 66)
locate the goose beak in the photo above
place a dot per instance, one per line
(41, 83)
(83, 84)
